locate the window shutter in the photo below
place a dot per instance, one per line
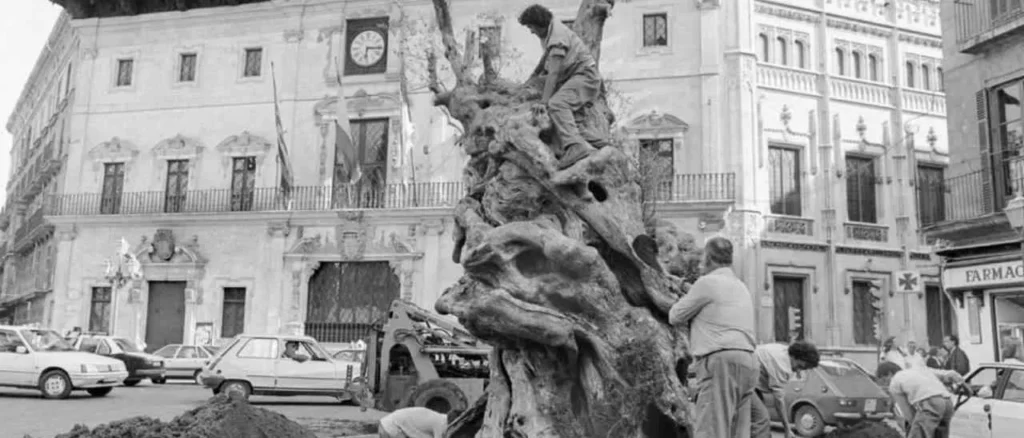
(985, 148)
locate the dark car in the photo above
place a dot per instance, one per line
(141, 365)
(838, 392)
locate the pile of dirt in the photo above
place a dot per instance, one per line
(866, 429)
(220, 417)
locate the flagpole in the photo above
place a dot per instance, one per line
(277, 164)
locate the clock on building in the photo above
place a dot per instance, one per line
(367, 46)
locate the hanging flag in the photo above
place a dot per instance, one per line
(283, 160)
(346, 167)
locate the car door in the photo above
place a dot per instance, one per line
(318, 374)
(189, 360)
(1008, 406)
(169, 354)
(971, 420)
(254, 362)
(16, 369)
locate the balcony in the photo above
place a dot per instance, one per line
(787, 79)
(792, 225)
(979, 23)
(860, 91)
(35, 226)
(866, 232)
(684, 188)
(37, 173)
(924, 102)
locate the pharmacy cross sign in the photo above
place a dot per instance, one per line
(908, 281)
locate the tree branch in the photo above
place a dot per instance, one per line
(589, 24)
(443, 13)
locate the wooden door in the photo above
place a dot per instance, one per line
(788, 298)
(939, 313)
(165, 318)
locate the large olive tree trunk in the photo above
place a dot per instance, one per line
(560, 275)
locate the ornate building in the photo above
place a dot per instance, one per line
(759, 108)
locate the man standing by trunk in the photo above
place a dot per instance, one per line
(957, 359)
(720, 312)
(778, 363)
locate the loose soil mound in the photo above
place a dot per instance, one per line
(867, 429)
(220, 417)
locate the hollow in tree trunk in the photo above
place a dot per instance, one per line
(560, 274)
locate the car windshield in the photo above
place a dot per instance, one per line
(127, 346)
(46, 340)
(849, 379)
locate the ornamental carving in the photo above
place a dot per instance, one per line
(790, 225)
(178, 147)
(164, 249)
(871, 233)
(655, 121)
(115, 150)
(245, 144)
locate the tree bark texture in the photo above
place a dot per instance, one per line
(561, 276)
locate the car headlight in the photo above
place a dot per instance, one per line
(93, 368)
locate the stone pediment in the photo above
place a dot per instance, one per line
(354, 243)
(115, 150)
(244, 145)
(657, 121)
(178, 147)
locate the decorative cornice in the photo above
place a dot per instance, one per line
(115, 150)
(787, 13)
(875, 252)
(244, 144)
(921, 40)
(844, 24)
(178, 147)
(795, 246)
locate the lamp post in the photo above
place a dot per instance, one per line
(121, 268)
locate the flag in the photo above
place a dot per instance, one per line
(344, 148)
(284, 162)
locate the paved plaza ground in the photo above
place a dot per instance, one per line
(26, 413)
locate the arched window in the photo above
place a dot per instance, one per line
(940, 81)
(840, 62)
(800, 52)
(873, 67)
(926, 77)
(765, 47)
(910, 74)
(781, 46)
(857, 71)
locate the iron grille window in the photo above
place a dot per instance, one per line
(187, 67)
(124, 72)
(370, 139)
(233, 312)
(177, 186)
(861, 205)
(931, 194)
(113, 186)
(99, 309)
(253, 63)
(786, 197)
(243, 183)
(655, 30)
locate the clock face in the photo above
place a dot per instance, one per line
(367, 48)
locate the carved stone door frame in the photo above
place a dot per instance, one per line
(186, 265)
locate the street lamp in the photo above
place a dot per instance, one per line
(121, 268)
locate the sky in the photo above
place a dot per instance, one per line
(27, 25)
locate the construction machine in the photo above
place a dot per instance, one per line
(417, 358)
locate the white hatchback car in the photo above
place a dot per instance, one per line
(34, 358)
(997, 409)
(262, 365)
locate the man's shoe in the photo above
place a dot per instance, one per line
(574, 154)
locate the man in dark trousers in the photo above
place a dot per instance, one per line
(571, 79)
(922, 396)
(720, 312)
(957, 360)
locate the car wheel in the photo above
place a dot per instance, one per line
(198, 378)
(808, 421)
(437, 395)
(232, 387)
(131, 382)
(55, 385)
(99, 392)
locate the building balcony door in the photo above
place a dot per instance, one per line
(789, 303)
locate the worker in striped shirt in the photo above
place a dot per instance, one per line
(778, 363)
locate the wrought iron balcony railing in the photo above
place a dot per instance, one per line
(680, 189)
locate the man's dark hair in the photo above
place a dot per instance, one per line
(887, 369)
(806, 352)
(536, 15)
(954, 339)
(934, 351)
(719, 251)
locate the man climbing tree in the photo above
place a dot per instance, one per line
(571, 80)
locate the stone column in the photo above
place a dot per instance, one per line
(273, 279)
(66, 298)
(432, 247)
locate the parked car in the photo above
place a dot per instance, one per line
(993, 406)
(838, 392)
(34, 358)
(255, 365)
(141, 365)
(185, 361)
